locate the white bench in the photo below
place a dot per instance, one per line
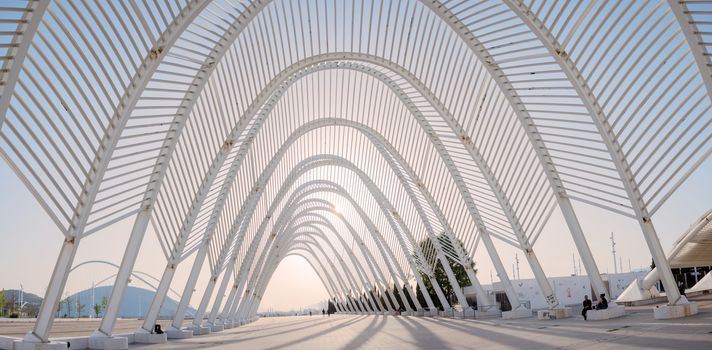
(521, 312)
(605, 314)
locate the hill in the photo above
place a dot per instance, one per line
(14, 297)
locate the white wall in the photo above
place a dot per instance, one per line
(618, 282)
(569, 290)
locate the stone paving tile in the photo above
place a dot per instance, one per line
(638, 330)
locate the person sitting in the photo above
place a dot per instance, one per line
(602, 303)
(586, 306)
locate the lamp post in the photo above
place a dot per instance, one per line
(93, 298)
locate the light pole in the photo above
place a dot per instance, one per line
(93, 299)
(613, 247)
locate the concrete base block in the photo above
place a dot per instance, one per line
(143, 337)
(667, 312)
(7, 342)
(419, 313)
(217, 328)
(469, 313)
(198, 330)
(54, 345)
(554, 314)
(108, 343)
(517, 313)
(491, 312)
(227, 325)
(175, 333)
(605, 314)
(432, 313)
(75, 343)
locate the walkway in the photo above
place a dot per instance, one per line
(637, 330)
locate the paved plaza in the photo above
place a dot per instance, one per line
(638, 330)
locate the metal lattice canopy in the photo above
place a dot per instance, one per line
(347, 132)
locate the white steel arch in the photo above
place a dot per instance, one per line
(489, 114)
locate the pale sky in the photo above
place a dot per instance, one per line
(31, 244)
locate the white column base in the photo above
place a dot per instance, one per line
(175, 333)
(419, 313)
(450, 313)
(491, 311)
(143, 337)
(666, 312)
(25, 345)
(432, 313)
(521, 312)
(227, 325)
(103, 342)
(217, 328)
(198, 330)
(554, 314)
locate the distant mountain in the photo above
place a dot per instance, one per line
(15, 295)
(135, 304)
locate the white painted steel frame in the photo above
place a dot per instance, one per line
(91, 211)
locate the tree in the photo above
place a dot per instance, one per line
(80, 307)
(331, 309)
(408, 298)
(11, 301)
(98, 308)
(397, 296)
(3, 301)
(428, 249)
(421, 298)
(68, 303)
(374, 297)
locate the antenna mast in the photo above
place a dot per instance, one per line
(613, 246)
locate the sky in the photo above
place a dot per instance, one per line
(296, 286)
